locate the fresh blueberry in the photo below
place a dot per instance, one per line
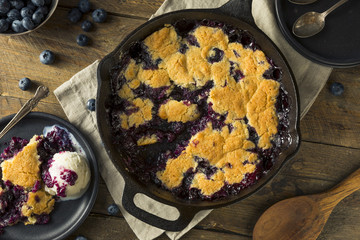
(44, 10)
(31, 5)
(27, 23)
(14, 14)
(24, 84)
(91, 104)
(4, 7)
(113, 209)
(18, 4)
(82, 40)
(47, 57)
(48, 2)
(84, 6)
(4, 25)
(38, 3)
(17, 26)
(337, 88)
(38, 17)
(26, 12)
(74, 15)
(80, 237)
(86, 25)
(99, 15)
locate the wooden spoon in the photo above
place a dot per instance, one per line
(303, 217)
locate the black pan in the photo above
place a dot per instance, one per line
(238, 14)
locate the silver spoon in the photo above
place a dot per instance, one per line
(302, 2)
(312, 23)
(41, 92)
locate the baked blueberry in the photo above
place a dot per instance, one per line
(80, 237)
(86, 25)
(91, 104)
(337, 88)
(24, 83)
(47, 57)
(82, 40)
(99, 15)
(17, 26)
(38, 3)
(37, 17)
(84, 6)
(18, 4)
(4, 25)
(74, 15)
(14, 14)
(4, 6)
(26, 12)
(27, 23)
(113, 209)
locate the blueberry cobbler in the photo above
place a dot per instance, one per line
(198, 109)
(25, 177)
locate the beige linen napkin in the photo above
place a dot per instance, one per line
(74, 94)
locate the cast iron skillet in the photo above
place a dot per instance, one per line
(238, 14)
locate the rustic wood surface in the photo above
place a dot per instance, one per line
(330, 149)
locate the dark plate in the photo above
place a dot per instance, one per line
(67, 216)
(337, 45)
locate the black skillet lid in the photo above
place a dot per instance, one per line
(337, 45)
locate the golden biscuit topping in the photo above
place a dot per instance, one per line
(175, 111)
(38, 203)
(24, 168)
(239, 93)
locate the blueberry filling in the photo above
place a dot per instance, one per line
(173, 137)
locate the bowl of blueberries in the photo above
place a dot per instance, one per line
(19, 17)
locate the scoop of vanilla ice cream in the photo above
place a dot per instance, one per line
(68, 176)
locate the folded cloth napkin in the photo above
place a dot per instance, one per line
(74, 94)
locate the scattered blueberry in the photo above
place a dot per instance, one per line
(44, 10)
(113, 209)
(13, 14)
(337, 88)
(86, 25)
(4, 6)
(80, 237)
(82, 40)
(47, 57)
(17, 26)
(84, 6)
(26, 12)
(27, 23)
(38, 3)
(18, 4)
(4, 25)
(38, 17)
(74, 15)
(91, 104)
(99, 15)
(24, 84)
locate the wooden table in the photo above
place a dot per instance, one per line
(330, 149)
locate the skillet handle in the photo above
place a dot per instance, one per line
(185, 217)
(238, 8)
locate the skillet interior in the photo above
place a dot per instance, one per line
(139, 34)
